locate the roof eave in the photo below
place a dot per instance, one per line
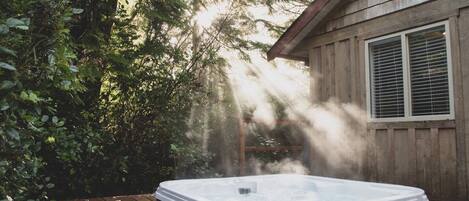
(301, 27)
(297, 26)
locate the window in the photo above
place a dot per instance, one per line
(409, 75)
(387, 80)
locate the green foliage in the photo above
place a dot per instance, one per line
(94, 99)
(80, 113)
(36, 55)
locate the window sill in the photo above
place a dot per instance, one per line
(412, 124)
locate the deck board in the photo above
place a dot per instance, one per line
(144, 197)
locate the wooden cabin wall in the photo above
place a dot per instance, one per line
(432, 155)
(463, 93)
(361, 10)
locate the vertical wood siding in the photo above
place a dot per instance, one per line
(463, 122)
(416, 155)
(432, 155)
(361, 10)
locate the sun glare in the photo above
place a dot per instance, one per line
(206, 16)
(257, 86)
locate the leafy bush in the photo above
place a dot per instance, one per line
(80, 114)
(95, 97)
(37, 78)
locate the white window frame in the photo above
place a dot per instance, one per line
(406, 74)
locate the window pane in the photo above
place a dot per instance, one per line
(429, 72)
(387, 86)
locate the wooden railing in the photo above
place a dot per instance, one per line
(243, 149)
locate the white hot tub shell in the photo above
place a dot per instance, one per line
(284, 187)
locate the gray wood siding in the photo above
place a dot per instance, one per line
(463, 122)
(361, 10)
(432, 155)
(422, 157)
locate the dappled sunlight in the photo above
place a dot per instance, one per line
(258, 82)
(336, 134)
(206, 16)
(131, 94)
(332, 128)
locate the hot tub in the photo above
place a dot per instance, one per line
(284, 187)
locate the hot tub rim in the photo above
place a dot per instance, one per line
(416, 193)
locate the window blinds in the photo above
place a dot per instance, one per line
(387, 85)
(429, 72)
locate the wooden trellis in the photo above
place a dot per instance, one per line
(243, 149)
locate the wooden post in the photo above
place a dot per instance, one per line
(242, 148)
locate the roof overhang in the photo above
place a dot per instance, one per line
(300, 29)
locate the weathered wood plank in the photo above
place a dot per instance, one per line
(448, 161)
(391, 143)
(435, 164)
(93, 199)
(119, 198)
(385, 155)
(354, 72)
(361, 78)
(315, 72)
(464, 48)
(144, 197)
(372, 170)
(412, 152)
(367, 156)
(342, 71)
(330, 71)
(361, 161)
(458, 106)
(348, 70)
(324, 74)
(401, 165)
(363, 4)
(148, 197)
(337, 72)
(354, 6)
(423, 145)
(381, 154)
(377, 10)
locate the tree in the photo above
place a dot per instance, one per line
(95, 95)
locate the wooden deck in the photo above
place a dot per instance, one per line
(145, 197)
